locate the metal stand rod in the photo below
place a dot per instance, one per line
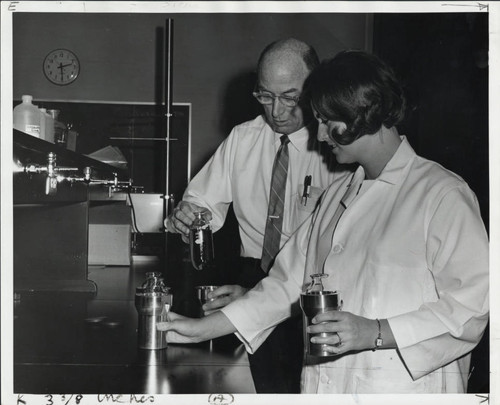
(169, 40)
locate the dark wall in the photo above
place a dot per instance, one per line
(443, 62)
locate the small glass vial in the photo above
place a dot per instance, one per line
(316, 286)
(154, 283)
(201, 243)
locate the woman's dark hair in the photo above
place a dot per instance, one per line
(358, 89)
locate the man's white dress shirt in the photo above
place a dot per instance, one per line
(240, 171)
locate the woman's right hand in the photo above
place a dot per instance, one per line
(181, 329)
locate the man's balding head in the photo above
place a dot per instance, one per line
(285, 49)
(282, 70)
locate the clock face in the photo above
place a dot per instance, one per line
(61, 67)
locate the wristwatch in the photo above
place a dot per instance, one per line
(379, 341)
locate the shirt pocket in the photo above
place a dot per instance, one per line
(308, 204)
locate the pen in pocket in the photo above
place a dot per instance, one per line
(307, 188)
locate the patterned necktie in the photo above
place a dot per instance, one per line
(274, 222)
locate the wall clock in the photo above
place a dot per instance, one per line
(61, 67)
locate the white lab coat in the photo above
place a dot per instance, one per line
(410, 247)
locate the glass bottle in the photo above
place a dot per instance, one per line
(154, 283)
(201, 243)
(59, 128)
(316, 286)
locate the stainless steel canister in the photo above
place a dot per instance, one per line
(152, 301)
(312, 304)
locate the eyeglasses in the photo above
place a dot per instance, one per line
(268, 98)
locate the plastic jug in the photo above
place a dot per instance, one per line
(27, 117)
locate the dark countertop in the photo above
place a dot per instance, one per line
(60, 348)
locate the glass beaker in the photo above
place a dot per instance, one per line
(202, 292)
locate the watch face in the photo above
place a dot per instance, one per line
(61, 67)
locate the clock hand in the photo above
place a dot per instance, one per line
(61, 67)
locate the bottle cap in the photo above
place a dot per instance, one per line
(54, 113)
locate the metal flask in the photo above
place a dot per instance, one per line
(313, 302)
(152, 301)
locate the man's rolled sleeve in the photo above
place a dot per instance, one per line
(211, 188)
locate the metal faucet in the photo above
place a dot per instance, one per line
(52, 170)
(54, 176)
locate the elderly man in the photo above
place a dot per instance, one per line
(272, 170)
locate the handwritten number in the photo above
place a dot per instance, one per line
(69, 399)
(220, 399)
(13, 5)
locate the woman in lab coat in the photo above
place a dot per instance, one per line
(400, 237)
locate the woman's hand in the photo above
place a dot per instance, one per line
(181, 329)
(350, 332)
(223, 296)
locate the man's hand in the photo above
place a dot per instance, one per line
(194, 330)
(223, 296)
(182, 218)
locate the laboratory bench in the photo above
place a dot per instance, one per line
(86, 343)
(75, 278)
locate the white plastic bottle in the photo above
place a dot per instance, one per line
(59, 127)
(43, 119)
(47, 127)
(27, 117)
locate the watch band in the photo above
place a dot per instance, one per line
(379, 341)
